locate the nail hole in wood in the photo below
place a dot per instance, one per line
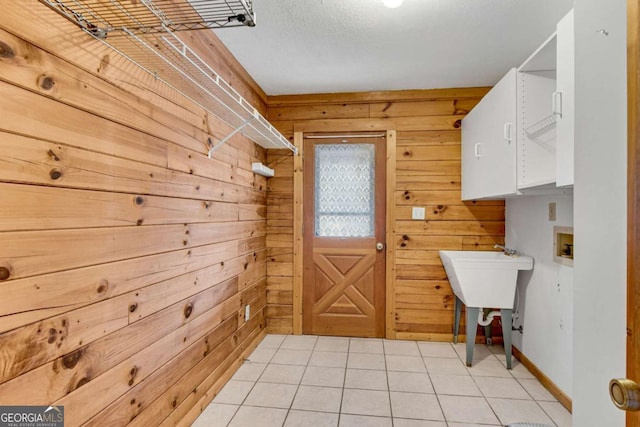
(457, 124)
(139, 200)
(405, 237)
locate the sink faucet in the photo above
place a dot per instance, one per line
(507, 251)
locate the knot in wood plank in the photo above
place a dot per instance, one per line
(46, 82)
(6, 51)
(55, 174)
(5, 273)
(188, 309)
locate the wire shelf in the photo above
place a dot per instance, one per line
(155, 16)
(542, 125)
(168, 59)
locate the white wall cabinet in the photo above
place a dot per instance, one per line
(488, 148)
(565, 87)
(519, 138)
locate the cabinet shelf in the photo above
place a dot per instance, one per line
(542, 125)
(144, 34)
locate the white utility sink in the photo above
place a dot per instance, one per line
(484, 279)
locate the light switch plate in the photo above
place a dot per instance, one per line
(552, 211)
(417, 213)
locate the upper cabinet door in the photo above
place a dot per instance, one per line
(564, 101)
(488, 143)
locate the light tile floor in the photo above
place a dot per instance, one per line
(311, 381)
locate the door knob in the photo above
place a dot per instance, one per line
(379, 246)
(625, 394)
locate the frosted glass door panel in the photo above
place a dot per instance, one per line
(344, 190)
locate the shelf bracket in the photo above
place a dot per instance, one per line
(228, 137)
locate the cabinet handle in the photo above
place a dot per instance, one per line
(556, 103)
(507, 132)
(476, 150)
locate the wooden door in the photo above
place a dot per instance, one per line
(344, 234)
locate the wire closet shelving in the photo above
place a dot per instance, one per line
(143, 31)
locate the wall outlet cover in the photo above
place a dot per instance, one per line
(417, 213)
(552, 211)
(247, 312)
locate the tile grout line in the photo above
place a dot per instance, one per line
(254, 383)
(301, 378)
(435, 392)
(344, 380)
(386, 374)
(315, 349)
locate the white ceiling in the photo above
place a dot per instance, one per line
(318, 46)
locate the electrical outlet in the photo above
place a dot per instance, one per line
(552, 211)
(417, 213)
(247, 312)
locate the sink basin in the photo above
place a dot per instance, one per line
(484, 279)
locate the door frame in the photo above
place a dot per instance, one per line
(338, 125)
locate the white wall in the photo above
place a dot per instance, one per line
(600, 210)
(545, 309)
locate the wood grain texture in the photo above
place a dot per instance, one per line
(426, 173)
(633, 199)
(129, 256)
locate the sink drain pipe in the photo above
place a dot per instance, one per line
(482, 321)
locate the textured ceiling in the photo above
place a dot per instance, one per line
(318, 46)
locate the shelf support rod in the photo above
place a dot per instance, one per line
(228, 137)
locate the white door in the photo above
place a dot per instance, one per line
(565, 77)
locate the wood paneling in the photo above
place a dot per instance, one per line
(427, 174)
(127, 255)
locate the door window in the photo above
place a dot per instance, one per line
(344, 190)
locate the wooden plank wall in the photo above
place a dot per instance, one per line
(427, 175)
(126, 255)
